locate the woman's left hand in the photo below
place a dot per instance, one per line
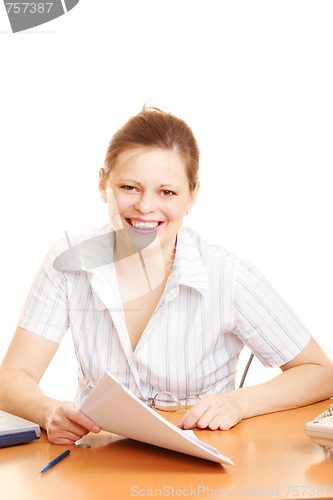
(216, 411)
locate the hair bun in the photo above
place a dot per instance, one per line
(151, 109)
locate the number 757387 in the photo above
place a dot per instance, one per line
(29, 7)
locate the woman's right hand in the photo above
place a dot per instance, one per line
(20, 373)
(65, 424)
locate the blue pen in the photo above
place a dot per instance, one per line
(55, 461)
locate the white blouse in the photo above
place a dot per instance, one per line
(213, 303)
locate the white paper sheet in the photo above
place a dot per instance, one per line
(117, 410)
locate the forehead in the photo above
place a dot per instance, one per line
(155, 163)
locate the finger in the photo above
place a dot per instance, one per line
(222, 418)
(219, 416)
(61, 440)
(81, 419)
(215, 415)
(70, 433)
(210, 419)
(61, 423)
(193, 416)
(65, 428)
(228, 423)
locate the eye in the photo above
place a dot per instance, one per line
(167, 192)
(131, 189)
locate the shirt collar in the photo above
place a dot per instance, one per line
(95, 254)
(86, 253)
(189, 268)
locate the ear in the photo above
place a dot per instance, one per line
(193, 197)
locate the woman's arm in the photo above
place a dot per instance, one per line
(306, 379)
(20, 372)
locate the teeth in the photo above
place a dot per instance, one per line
(143, 225)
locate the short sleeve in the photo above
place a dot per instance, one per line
(45, 312)
(264, 321)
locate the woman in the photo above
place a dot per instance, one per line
(151, 302)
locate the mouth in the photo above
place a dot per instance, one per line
(143, 225)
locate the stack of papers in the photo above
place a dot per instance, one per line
(115, 409)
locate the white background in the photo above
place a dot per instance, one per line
(253, 79)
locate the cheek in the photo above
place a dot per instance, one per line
(123, 201)
(174, 212)
(114, 215)
(116, 206)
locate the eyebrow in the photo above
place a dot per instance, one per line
(170, 186)
(166, 185)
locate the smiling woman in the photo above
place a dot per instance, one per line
(150, 183)
(150, 301)
(151, 192)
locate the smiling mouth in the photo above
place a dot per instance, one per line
(144, 225)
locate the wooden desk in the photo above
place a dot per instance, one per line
(274, 459)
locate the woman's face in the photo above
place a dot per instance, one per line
(150, 192)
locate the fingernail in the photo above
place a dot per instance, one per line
(96, 429)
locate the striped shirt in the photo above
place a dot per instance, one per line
(213, 304)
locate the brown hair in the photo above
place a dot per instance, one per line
(155, 128)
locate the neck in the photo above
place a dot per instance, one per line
(150, 252)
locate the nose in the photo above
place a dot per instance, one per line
(145, 203)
